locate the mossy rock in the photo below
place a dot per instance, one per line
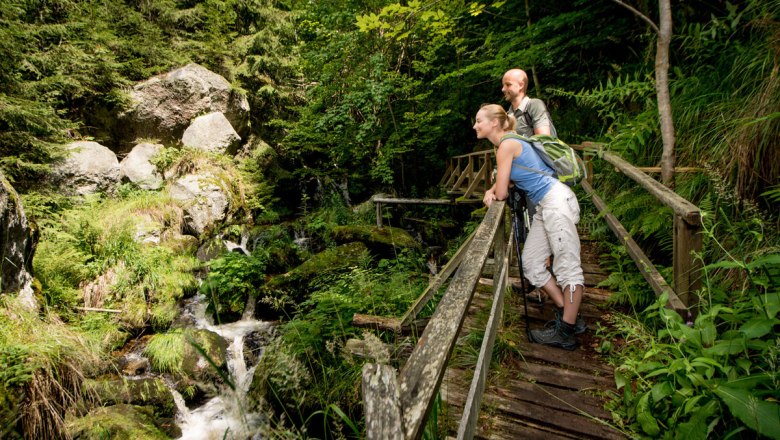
(294, 285)
(193, 365)
(121, 422)
(384, 241)
(281, 382)
(181, 244)
(146, 392)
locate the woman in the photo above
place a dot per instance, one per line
(553, 229)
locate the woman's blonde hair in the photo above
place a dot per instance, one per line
(495, 111)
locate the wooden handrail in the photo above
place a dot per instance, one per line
(396, 407)
(476, 153)
(687, 234)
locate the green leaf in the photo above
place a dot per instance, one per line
(758, 327)
(645, 417)
(766, 260)
(724, 348)
(750, 382)
(620, 380)
(661, 390)
(696, 428)
(771, 303)
(759, 415)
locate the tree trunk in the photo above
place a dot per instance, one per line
(537, 86)
(662, 90)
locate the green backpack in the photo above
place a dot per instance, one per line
(562, 158)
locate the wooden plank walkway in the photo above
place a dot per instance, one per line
(549, 393)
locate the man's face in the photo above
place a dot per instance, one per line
(510, 87)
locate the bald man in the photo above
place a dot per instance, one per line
(531, 114)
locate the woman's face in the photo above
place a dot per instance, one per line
(483, 125)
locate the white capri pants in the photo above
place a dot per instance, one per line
(554, 232)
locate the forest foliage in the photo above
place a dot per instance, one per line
(357, 97)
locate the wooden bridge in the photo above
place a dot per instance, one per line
(551, 393)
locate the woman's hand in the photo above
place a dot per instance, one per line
(489, 197)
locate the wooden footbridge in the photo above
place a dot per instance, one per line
(547, 393)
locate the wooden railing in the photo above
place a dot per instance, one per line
(396, 406)
(469, 174)
(687, 232)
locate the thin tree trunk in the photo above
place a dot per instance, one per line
(664, 31)
(662, 90)
(537, 85)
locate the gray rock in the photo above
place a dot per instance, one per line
(17, 246)
(137, 168)
(204, 202)
(89, 168)
(211, 132)
(165, 105)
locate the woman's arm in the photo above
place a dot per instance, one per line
(507, 151)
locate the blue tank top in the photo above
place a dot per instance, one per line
(534, 184)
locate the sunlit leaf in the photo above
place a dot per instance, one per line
(761, 416)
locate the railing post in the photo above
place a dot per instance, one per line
(378, 214)
(687, 268)
(382, 403)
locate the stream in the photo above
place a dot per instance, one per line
(224, 416)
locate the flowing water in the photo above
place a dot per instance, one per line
(224, 416)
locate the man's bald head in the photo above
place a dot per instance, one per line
(514, 85)
(518, 75)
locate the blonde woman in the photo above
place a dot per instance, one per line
(553, 229)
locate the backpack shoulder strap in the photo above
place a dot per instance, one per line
(523, 107)
(533, 142)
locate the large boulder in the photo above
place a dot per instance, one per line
(205, 203)
(165, 105)
(88, 168)
(138, 168)
(213, 133)
(17, 245)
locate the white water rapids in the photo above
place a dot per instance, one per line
(224, 416)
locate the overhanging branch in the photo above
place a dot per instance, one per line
(639, 14)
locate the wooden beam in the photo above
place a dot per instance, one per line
(421, 376)
(376, 322)
(478, 178)
(381, 403)
(468, 421)
(475, 153)
(437, 282)
(398, 325)
(95, 309)
(685, 209)
(401, 201)
(676, 170)
(687, 268)
(646, 267)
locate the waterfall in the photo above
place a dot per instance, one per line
(225, 416)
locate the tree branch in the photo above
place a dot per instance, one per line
(639, 14)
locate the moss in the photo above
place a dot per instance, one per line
(384, 241)
(175, 352)
(147, 392)
(118, 422)
(294, 285)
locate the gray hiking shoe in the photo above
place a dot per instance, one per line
(561, 335)
(580, 326)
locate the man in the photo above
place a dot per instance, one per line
(531, 114)
(532, 118)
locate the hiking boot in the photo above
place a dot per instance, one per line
(561, 335)
(580, 326)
